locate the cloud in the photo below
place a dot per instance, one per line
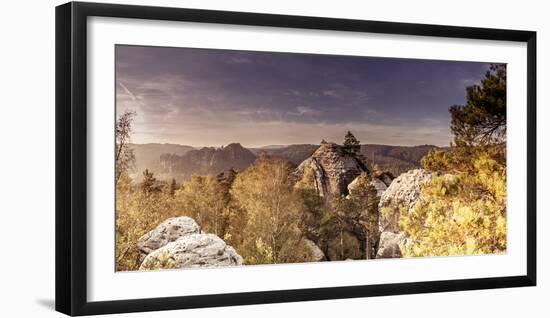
(331, 93)
(372, 112)
(468, 81)
(239, 60)
(304, 111)
(127, 91)
(293, 92)
(210, 97)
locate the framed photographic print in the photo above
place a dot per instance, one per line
(209, 158)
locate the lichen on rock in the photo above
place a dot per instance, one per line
(168, 231)
(195, 250)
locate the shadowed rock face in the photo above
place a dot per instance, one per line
(194, 250)
(316, 252)
(384, 177)
(388, 246)
(333, 170)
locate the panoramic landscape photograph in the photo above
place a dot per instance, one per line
(238, 158)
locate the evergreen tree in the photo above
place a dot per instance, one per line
(482, 120)
(337, 226)
(351, 146)
(313, 207)
(173, 187)
(365, 197)
(149, 184)
(227, 177)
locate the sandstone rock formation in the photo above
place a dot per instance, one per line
(388, 246)
(166, 232)
(400, 197)
(178, 242)
(194, 250)
(403, 193)
(333, 169)
(336, 173)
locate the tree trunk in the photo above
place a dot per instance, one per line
(342, 244)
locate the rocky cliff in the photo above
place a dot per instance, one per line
(334, 170)
(337, 173)
(293, 153)
(207, 161)
(147, 156)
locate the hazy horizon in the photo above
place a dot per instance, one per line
(274, 146)
(210, 98)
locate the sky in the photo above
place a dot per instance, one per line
(206, 97)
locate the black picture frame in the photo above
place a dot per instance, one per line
(71, 157)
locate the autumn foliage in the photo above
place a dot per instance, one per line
(463, 210)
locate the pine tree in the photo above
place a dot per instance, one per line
(351, 146)
(482, 120)
(313, 207)
(366, 199)
(149, 184)
(173, 187)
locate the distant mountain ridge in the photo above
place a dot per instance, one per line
(395, 159)
(182, 161)
(207, 161)
(148, 155)
(293, 153)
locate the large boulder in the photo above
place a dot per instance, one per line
(194, 250)
(316, 253)
(402, 195)
(166, 232)
(389, 245)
